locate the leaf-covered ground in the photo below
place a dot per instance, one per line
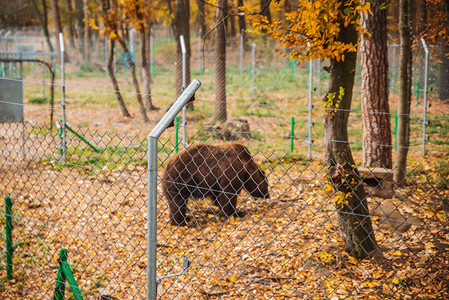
(287, 247)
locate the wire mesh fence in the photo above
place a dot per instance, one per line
(277, 238)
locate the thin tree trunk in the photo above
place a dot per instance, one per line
(201, 19)
(350, 200)
(132, 67)
(57, 24)
(87, 33)
(220, 68)
(181, 27)
(377, 151)
(403, 132)
(80, 25)
(118, 95)
(146, 71)
(71, 24)
(43, 20)
(242, 24)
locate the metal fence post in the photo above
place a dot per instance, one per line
(8, 232)
(253, 69)
(424, 120)
(241, 50)
(151, 52)
(152, 184)
(63, 135)
(200, 67)
(183, 87)
(309, 142)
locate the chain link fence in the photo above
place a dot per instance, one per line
(278, 238)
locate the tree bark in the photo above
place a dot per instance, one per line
(405, 60)
(71, 24)
(220, 67)
(350, 200)
(201, 19)
(43, 20)
(444, 73)
(146, 71)
(132, 67)
(118, 95)
(181, 27)
(87, 33)
(57, 24)
(79, 7)
(242, 24)
(377, 151)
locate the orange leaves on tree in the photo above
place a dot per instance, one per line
(312, 30)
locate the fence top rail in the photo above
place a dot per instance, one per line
(27, 53)
(177, 106)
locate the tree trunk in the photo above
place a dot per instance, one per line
(350, 200)
(146, 71)
(118, 95)
(71, 24)
(377, 151)
(57, 24)
(43, 20)
(444, 73)
(87, 33)
(201, 17)
(242, 24)
(265, 9)
(405, 60)
(181, 27)
(80, 25)
(220, 67)
(132, 67)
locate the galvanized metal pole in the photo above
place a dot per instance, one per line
(309, 142)
(200, 67)
(152, 184)
(424, 120)
(151, 51)
(253, 69)
(241, 50)
(63, 133)
(183, 86)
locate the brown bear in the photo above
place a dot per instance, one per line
(219, 172)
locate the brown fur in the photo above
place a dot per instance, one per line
(219, 172)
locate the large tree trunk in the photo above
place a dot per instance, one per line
(181, 27)
(220, 67)
(377, 151)
(146, 71)
(350, 200)
(43, 20)
(405, 60)
(80, 25)
(444, 73)
(57, 24)
(132, 67)
(118, 95)
(87, 33)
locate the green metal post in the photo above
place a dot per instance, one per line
(71, 280)
(60, 279)
(9, 249)
(177, 134)
(82, 138)
(395, 131)
(65, 273)
(417, 94)
(292, 134)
